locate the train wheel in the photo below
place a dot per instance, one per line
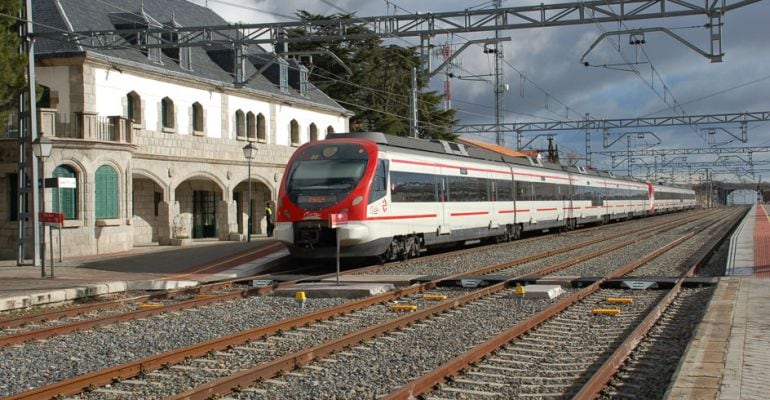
(516, 235)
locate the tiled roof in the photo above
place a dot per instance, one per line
(79, 15)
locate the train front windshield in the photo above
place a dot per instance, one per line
(325, 173)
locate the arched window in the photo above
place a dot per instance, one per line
(294, 128)
(261, 133)
(134, 107)
(45, 97)
(251, 126)
(313, 133)
(329, 130)
(67, 198)
(106, 193)
(240, 124)
(167, 112)
(197, 111)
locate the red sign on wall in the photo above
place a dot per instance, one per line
(336, 220)
(51, 218)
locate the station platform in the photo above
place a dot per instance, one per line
(729, 356)
(149, 267)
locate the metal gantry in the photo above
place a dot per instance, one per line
(423, 25)
(619, 123)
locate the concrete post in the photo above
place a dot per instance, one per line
(166, 213)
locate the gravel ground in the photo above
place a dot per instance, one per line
(30, 365)
(375, 367)
(193, 372)
(648, 372)
(554, 359)
(38, 363)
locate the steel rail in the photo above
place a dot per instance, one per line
(229, 260)
(134, 368)
(48, 332)
(287, 363)
(601, 378)
(439, 375)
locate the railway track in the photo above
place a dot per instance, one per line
(58, 322)
(585, 377)
(258, 335)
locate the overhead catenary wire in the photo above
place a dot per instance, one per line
(525, 79)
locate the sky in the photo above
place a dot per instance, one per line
(548, 82)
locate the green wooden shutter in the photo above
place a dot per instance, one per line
(106, 193)
(69, 205)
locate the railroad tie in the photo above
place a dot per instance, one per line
(479, 383)
(470, 392)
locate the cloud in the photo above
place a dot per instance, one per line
(549, 67)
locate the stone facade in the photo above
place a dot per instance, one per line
(173, 183)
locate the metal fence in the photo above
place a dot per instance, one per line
(103, 128)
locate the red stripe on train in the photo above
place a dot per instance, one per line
(390, 217)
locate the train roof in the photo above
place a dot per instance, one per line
(443, 147)
(462, 150)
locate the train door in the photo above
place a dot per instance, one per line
(492, 200)
(566, 202)
(443, 209)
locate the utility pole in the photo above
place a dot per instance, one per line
(27, 133)
(413, 104)
(499, 90)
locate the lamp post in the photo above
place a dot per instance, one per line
(249, 151)
(42, 147)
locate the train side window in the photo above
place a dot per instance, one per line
(524, 191)
(504, 190)
(380, 182)
(409, 187)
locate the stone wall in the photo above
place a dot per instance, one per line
(145, 220)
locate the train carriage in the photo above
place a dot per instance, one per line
(403, 195)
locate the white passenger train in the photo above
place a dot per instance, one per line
(401, 196)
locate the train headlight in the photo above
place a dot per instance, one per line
(358, 200)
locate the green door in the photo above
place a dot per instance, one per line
(204, 214)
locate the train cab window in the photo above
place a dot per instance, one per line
(380, 182)
(324, 174)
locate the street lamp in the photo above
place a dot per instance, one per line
(42, 147)
(249, 151)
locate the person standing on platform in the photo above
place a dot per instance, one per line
(270, 221)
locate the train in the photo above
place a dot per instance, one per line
(375, 195)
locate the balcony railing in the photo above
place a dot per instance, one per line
(102, 128)
(80, 125)
(88, 126)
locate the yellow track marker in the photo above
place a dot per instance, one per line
(620, 300)
(606, 311)
(403, 307)
(434, 296)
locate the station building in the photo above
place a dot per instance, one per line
(155, 138)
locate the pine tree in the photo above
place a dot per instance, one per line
(378, 88)
(12, 64)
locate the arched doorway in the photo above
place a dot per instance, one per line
(260, 195)
(146, 211)
(197, 216)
